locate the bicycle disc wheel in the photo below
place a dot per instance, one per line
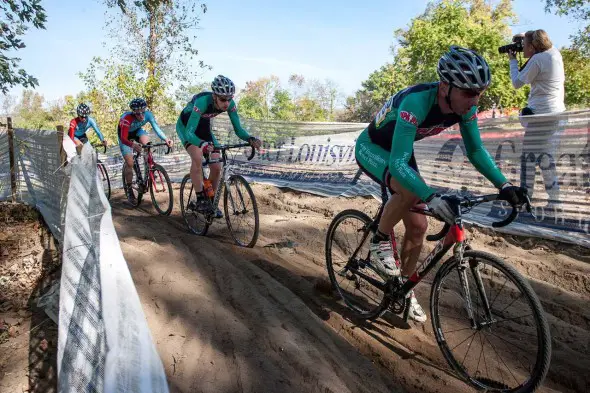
(103, 175)
(490, 324)
(347, 233)
(241, 211)
(135, 188)
(196, 222)
(161, 190)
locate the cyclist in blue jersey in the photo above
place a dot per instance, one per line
(385, 152)
(79, 125)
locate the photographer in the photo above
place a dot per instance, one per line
(544, 72)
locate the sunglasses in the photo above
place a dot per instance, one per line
(222, 99)
(139, 111)
(472, 93)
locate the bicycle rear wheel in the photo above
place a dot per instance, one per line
(161, 190)
(349, 270)
(241, 211)
(196, 222)
(103, 176)
(136, 189)
(489, 324)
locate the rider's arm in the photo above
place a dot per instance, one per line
(150, 118)
(199, 106)
(232, 111)
(411, 113)
(124, 125)
(215, 143)
(72, 130)
(92, 123)
(476, 152)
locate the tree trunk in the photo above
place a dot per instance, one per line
(151, 61)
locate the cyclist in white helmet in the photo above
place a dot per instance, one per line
(385, 152)
(194, 130)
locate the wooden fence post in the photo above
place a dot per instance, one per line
(12, 163)
(60, 137)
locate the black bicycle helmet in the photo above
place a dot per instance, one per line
(137, 103)
(83, 110)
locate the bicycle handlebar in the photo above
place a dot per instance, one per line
(469, 202)
(236, 146)
(150, 145)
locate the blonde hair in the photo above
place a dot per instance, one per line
(539, 40)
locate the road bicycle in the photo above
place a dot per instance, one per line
(487, 320)
(153, 178)
(239, 202)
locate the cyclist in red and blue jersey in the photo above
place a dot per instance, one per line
(385, 152)
(79, 125)
(132, 136)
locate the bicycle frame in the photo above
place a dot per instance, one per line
(224, 176)
(225, 172)
(148, 165)
(455, 237)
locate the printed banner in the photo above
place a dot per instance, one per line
(548, 154)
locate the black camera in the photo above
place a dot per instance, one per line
(516, 45)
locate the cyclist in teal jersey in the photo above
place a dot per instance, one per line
(385, 152)
(194, 130)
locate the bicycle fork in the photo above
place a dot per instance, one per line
(474, 267)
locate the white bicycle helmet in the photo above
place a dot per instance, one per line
(223, 86)
(464, 68)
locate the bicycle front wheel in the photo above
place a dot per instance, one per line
(161, 190)
(348, 264)
(489, 324)
(196, 222)
(241, 211)
(103, 176)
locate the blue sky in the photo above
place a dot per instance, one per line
(248, 39)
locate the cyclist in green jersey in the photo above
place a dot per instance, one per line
(194, 130)
(384, 151)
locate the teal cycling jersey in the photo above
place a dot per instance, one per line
(413, 114)
(193, 125)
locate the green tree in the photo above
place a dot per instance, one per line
(386, 81)
(361, 107)
(282, 107)
(579, 10)
(155, 37)
(15, 18)
(476, 24)
(256, 98)
(110, 87)
(577, 77)
(34, 113)
(184, 93)
(302, 100)
(308, 109)
(326, 94)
